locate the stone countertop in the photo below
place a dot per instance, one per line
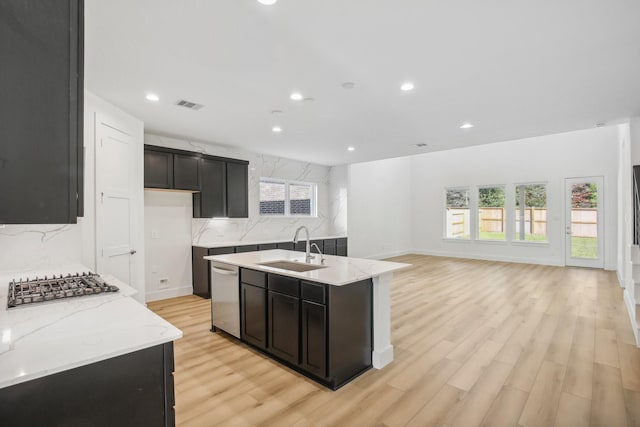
(46, 338)
(258, 242)
(339, 270)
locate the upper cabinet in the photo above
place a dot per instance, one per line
(41, 111)
(171, 170)
(237, 190)
(220, 185)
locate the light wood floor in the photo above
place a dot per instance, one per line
(476, 343)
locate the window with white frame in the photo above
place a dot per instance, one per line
(457, 218)
(531, 213)
(287, 198)
(491, 213)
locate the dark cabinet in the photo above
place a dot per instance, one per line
(284, 326)
(201, 271)
(41, 111)
(186, 174)
(314, 338)
(253, 315)
(237, 190)
(322, 331)
(212, 200)
(158, 169)
(341, 246)
(165, 169)
(330, 247)
(134, 389)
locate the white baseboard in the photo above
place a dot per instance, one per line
(389, 255)
(631, 309)
(168, 293)
(519, 260)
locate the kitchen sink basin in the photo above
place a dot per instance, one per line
(292, 265)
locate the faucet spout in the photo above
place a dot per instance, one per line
(309, 257)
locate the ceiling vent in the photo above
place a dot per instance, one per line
(421, 144)
(188, 104)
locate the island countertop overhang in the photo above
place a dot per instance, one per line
(336, 271)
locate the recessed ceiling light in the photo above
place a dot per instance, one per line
(466, 126)
(407, 86)
(152, 97)
(267, 2)
(296, 96)
(276, 129)
(351, 148)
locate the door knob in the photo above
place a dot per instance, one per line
(133, 251)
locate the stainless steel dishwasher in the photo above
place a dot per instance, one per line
(225, 298)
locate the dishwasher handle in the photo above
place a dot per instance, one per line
(224, 272)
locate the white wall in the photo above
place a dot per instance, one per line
(338, 197)
(397, 205)
(380, 208)
(167, 233)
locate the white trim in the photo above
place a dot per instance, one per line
(531, 243)
(492, 242)
(389, 255)
(168, 293)
(518, 260)
(451, 240)
(631, 309)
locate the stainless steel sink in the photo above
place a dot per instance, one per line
(292, 265)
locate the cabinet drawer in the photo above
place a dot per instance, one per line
(313, 292)
(221, 251)
(284, 285)
(252, 277)
(246, 248)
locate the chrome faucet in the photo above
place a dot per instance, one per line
(308, 248)
(319, 252)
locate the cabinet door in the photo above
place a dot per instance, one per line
(314, 338)
(158, 169)
(237, 190)
(212, 199)
(41, 117)
(186, 172)
(284, 327)
(330, 246)
(200, 272)
(253, 315)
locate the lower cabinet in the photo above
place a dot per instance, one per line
(314, 338)
(324, 332)
(253, 315)
(284, 327)
(134, 389)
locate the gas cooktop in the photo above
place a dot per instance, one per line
(54, 288)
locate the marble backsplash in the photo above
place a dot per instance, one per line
(331, 207)
(33, 247)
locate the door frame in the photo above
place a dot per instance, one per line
(107, 115)
(584, 262)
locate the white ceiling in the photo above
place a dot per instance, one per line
(513, 68)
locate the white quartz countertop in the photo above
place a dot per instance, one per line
(257, 242)
(339, 270)
(44, 338)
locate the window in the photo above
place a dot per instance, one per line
(491, 215)
(457, 214)
(287, 198)
(531, 212)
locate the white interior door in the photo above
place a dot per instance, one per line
(114, 195)
(584, 223)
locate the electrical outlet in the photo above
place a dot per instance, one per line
(164, 282)
(155, 234)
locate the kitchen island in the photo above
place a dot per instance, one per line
(330, 320)
(92, 360)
